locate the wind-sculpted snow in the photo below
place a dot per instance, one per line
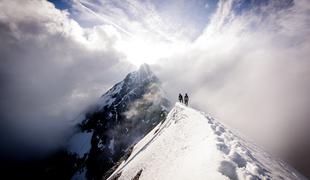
(192, 145)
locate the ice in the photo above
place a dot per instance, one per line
(192, 145)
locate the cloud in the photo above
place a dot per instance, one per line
(150, 29)
(51, 70)
(160, 20)
(245, 62)
(251, 69)
(153, 96)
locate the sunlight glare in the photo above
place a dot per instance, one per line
(142, 50)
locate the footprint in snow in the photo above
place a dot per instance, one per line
(219, 139)
(213, 127)
(220, 128)
(223, 148)
(219, 133)
(238, 159)
(228, 169)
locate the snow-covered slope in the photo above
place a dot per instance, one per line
(192, 145)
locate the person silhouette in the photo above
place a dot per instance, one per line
(180, 98)
(186, 99)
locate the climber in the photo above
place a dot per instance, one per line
(186, 99)
(180, 98)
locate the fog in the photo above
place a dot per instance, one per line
(244, 62)
(252, 72)
(49, 75)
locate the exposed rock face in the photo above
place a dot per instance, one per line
(122, 116)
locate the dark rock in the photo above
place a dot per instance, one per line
(122, 116)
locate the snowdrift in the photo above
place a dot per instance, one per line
(192, 145)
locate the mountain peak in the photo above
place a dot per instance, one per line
(122, 116)
(143, 74)
(146, 71)
(145, 67)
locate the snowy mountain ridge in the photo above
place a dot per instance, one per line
(192, 145)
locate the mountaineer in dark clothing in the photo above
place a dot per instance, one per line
(180, 98)
(186, 99)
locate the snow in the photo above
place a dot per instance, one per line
(107, 99)
(192, 145)
(136, 78)
(80, 143)
(143, 74)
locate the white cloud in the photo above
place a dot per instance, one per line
(148, 32)
(252, 71)
(250, 68)
(51, 70)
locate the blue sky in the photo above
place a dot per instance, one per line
(189, 17)
(236, 63)
(194, 14)
(61, 4)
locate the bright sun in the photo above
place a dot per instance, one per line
(143, 50)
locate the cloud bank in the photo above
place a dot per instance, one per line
(251, 69)
(246, 62)
(51, 70)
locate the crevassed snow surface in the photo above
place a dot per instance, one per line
(192, 145)
(80, 143)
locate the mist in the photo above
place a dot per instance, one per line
(244, 62)
(251, 70)
(49, 75)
